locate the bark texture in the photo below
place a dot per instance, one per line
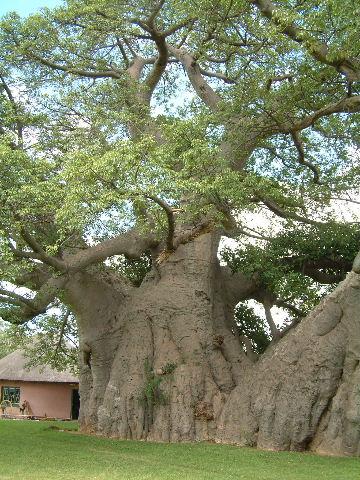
(304, 393)
(163, 362)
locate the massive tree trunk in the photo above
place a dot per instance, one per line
(304, 393)
(163, 362)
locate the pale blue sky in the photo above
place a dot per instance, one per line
(24, 7)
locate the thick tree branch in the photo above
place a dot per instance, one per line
(201, 87)
(249, 348)
(318, 50)
(136, 67)
(343, 199)
(13, 298)
(159, 39)
(170, 219)
(289, 327)
(217, 75)
(46, 295)
(132, 244)
(322, 277)
(288, 306)
(279, 78)
(275, 332)
(43, 256)
(318, 270)
(280, 212)
(189, 235)
(356, 264)
(25, 309)
(160, 64)
(122, 51)
(35, 278)
(22, 254)
(237, 286)
(155, 12)
(345, 105)
(178, 26)
(242, 231)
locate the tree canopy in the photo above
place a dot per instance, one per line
(130, 126)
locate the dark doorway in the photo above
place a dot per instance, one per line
(75, 404)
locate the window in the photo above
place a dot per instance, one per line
(11, 394)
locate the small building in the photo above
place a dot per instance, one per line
(38, 391)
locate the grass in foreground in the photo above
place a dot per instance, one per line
(38, 450)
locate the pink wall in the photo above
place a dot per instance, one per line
(45, 399)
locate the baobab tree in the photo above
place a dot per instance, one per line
(141, 133)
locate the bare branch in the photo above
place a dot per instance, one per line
(189, 21)
(136, 67)
(301, 157)
(187, 236)
(356, 264)
(155, 12)
(47, 294)
(76, 71)
(342, 199)
(62, 331)
(242, 231)
(19, 125)
(13, 298)
(217, 75)
(288, 306)
(319, 269)
(202, 88)
(237, 286)
(280, 212)
(11, 301)
(170, 219)
(130, 47)
(279, 78)
(22, 254)
(249, 348)
(185, 35)
(122, 51)
(289, 327)
(131, 244)
(37, 248)
(34, 278)
(275, 332)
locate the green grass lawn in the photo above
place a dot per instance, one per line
(32, 450)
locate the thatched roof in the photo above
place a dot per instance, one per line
(12, 367)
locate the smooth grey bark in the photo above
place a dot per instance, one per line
(303, 393)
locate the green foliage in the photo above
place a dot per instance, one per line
(83, 124)
(46, 341)
(82, 152)
(253, 327)
(168, 368)
(152, 394)
(6, 346)
(280, 263)
(133, 269)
